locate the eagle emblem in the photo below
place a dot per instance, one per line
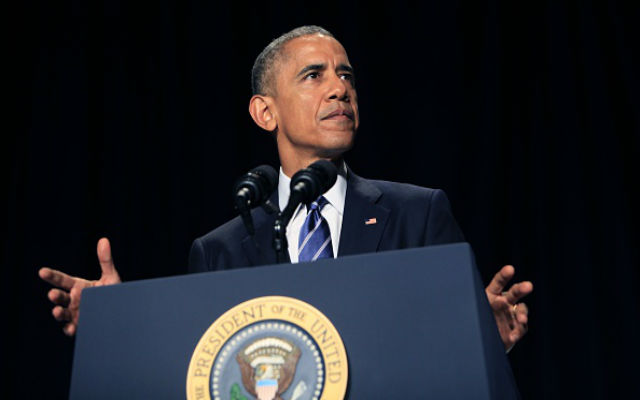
(268, 366)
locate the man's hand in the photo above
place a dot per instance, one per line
(67, 298)
(510, 315)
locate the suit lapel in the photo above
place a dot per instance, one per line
(364, 221)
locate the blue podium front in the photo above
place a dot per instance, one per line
(411, 324)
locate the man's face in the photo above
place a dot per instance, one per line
(316, 105)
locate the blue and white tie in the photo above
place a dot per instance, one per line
(315, 237)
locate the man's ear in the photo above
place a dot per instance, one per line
(262, 110)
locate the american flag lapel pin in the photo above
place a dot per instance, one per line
(371, 221)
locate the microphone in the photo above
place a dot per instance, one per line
(252, 190)
(308, 184)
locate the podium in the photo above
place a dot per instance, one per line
(415, 324)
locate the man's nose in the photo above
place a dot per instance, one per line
(337, 89)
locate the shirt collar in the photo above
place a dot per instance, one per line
(335, 196)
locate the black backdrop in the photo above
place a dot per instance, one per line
(133, 124)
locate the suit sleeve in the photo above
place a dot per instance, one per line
(197, 257)
(442, 227)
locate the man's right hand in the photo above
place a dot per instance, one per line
(67, 297)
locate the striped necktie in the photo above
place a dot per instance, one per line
(315, 237)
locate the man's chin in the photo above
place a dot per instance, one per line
(335, 149)
(341, 125)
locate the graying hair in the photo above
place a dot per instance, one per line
(262, 81)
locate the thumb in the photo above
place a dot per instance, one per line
(109, 272)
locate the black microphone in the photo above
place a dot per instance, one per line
(310, 183)
(252, 190)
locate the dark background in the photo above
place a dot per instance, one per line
(132, 123)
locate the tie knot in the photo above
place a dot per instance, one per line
(318, 204)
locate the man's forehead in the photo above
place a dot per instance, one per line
(314, 49)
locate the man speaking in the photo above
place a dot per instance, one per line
(304, 94)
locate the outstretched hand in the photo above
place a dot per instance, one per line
(67, 297)
(511, 316)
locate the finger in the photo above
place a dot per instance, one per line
(56, 278)
(109, 272)
(500, 280)
(522, 318)
(518, 291)
(74, 305)
(69, 329)
(522, 314)
(499, 303)
(518, 332)
(522, 309)
(59, 297)
(61, 314)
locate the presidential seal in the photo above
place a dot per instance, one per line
(269, 348)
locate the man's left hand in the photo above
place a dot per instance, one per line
(511, 316)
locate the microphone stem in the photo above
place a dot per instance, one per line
(280, 244)
(242, 204)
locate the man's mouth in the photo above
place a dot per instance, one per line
(340, 114)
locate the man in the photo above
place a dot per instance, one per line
(304, 94)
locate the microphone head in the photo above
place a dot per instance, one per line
(256, 186)
(327, 172)
(315, 180)
(268, 178)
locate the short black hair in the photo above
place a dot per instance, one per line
(263, 68)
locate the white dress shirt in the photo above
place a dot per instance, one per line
(332, 212)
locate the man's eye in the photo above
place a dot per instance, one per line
(312, 75)
(347, 77)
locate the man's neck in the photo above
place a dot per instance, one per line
(290, 167)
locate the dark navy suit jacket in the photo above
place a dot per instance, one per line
(406, 216)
